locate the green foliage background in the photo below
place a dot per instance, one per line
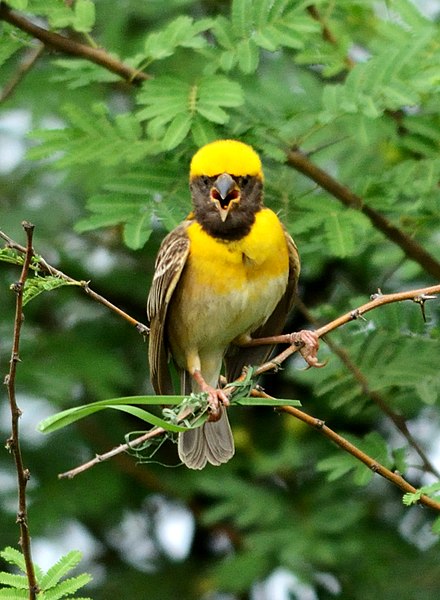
(104, 177)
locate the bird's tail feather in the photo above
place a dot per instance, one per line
(212, 442)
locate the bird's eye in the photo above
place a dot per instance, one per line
(205, 181)
(244, 181)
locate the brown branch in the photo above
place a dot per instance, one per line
(371, 463)
(71, 47)
(47, 268)
(13, 443)
(111, 453)
(275, 363)
(300, 161)
(327, 33)
(148, 435)
(419, 296)
(28, 62)
(397, 419)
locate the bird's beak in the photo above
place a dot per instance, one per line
(225, 193)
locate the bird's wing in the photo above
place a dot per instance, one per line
(236, 358)
(169, 265)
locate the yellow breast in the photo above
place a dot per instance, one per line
(225, 266)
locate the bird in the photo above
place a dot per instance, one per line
(225, 278)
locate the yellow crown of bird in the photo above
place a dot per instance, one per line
(226, 156)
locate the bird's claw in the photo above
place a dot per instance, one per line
(307, 343)
(216, 399)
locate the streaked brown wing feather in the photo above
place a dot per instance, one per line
(169, 265)
(236, 358)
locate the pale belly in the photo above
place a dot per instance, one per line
(212, 320)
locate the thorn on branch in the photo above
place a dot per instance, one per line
(27, 226)
(16, 358)
(277, 366)
(377, 295)
(356, 314)
(420, 300)
(21, 518)
(16, 287)
(143, 329)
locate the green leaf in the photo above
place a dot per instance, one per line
(268, 38)
(19, 582)
(165, 96)
(9, 43)
(177, 131)
(60, 569)
(340, 234)
(14, 557)
(336, 466)
(248, 56)
(138, 230)
(431, 491)
(202, 131)
(212, 113)
(18, 4)
(261, 11)
(222, 30)
(79, 73)
(183, 31)
(436, 526)
(71, 415)
(242, 17)
(36, 285)
(221, 91)
(13, 594)
(237, 574)
(84, 15)
(67, 587)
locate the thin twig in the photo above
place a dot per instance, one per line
(13, 443)
(414, 295)
(327, 34)
(301, 162)
(47, 268)
(26, 65)
(148, 435)
(397, 419)
(371, 463)
(419, 296)
(72, 47)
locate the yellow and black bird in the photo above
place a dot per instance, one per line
(223, 277)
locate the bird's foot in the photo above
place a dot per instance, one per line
(307, 343)
(216, 397)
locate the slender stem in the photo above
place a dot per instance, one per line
(415, 295)
(72, 47)
(148, 435)
(47, 268)
(420, 296)
(347, 446)
(300, 161)
(29, 61)
(13, 443)
(397, 419)
(327, 34)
